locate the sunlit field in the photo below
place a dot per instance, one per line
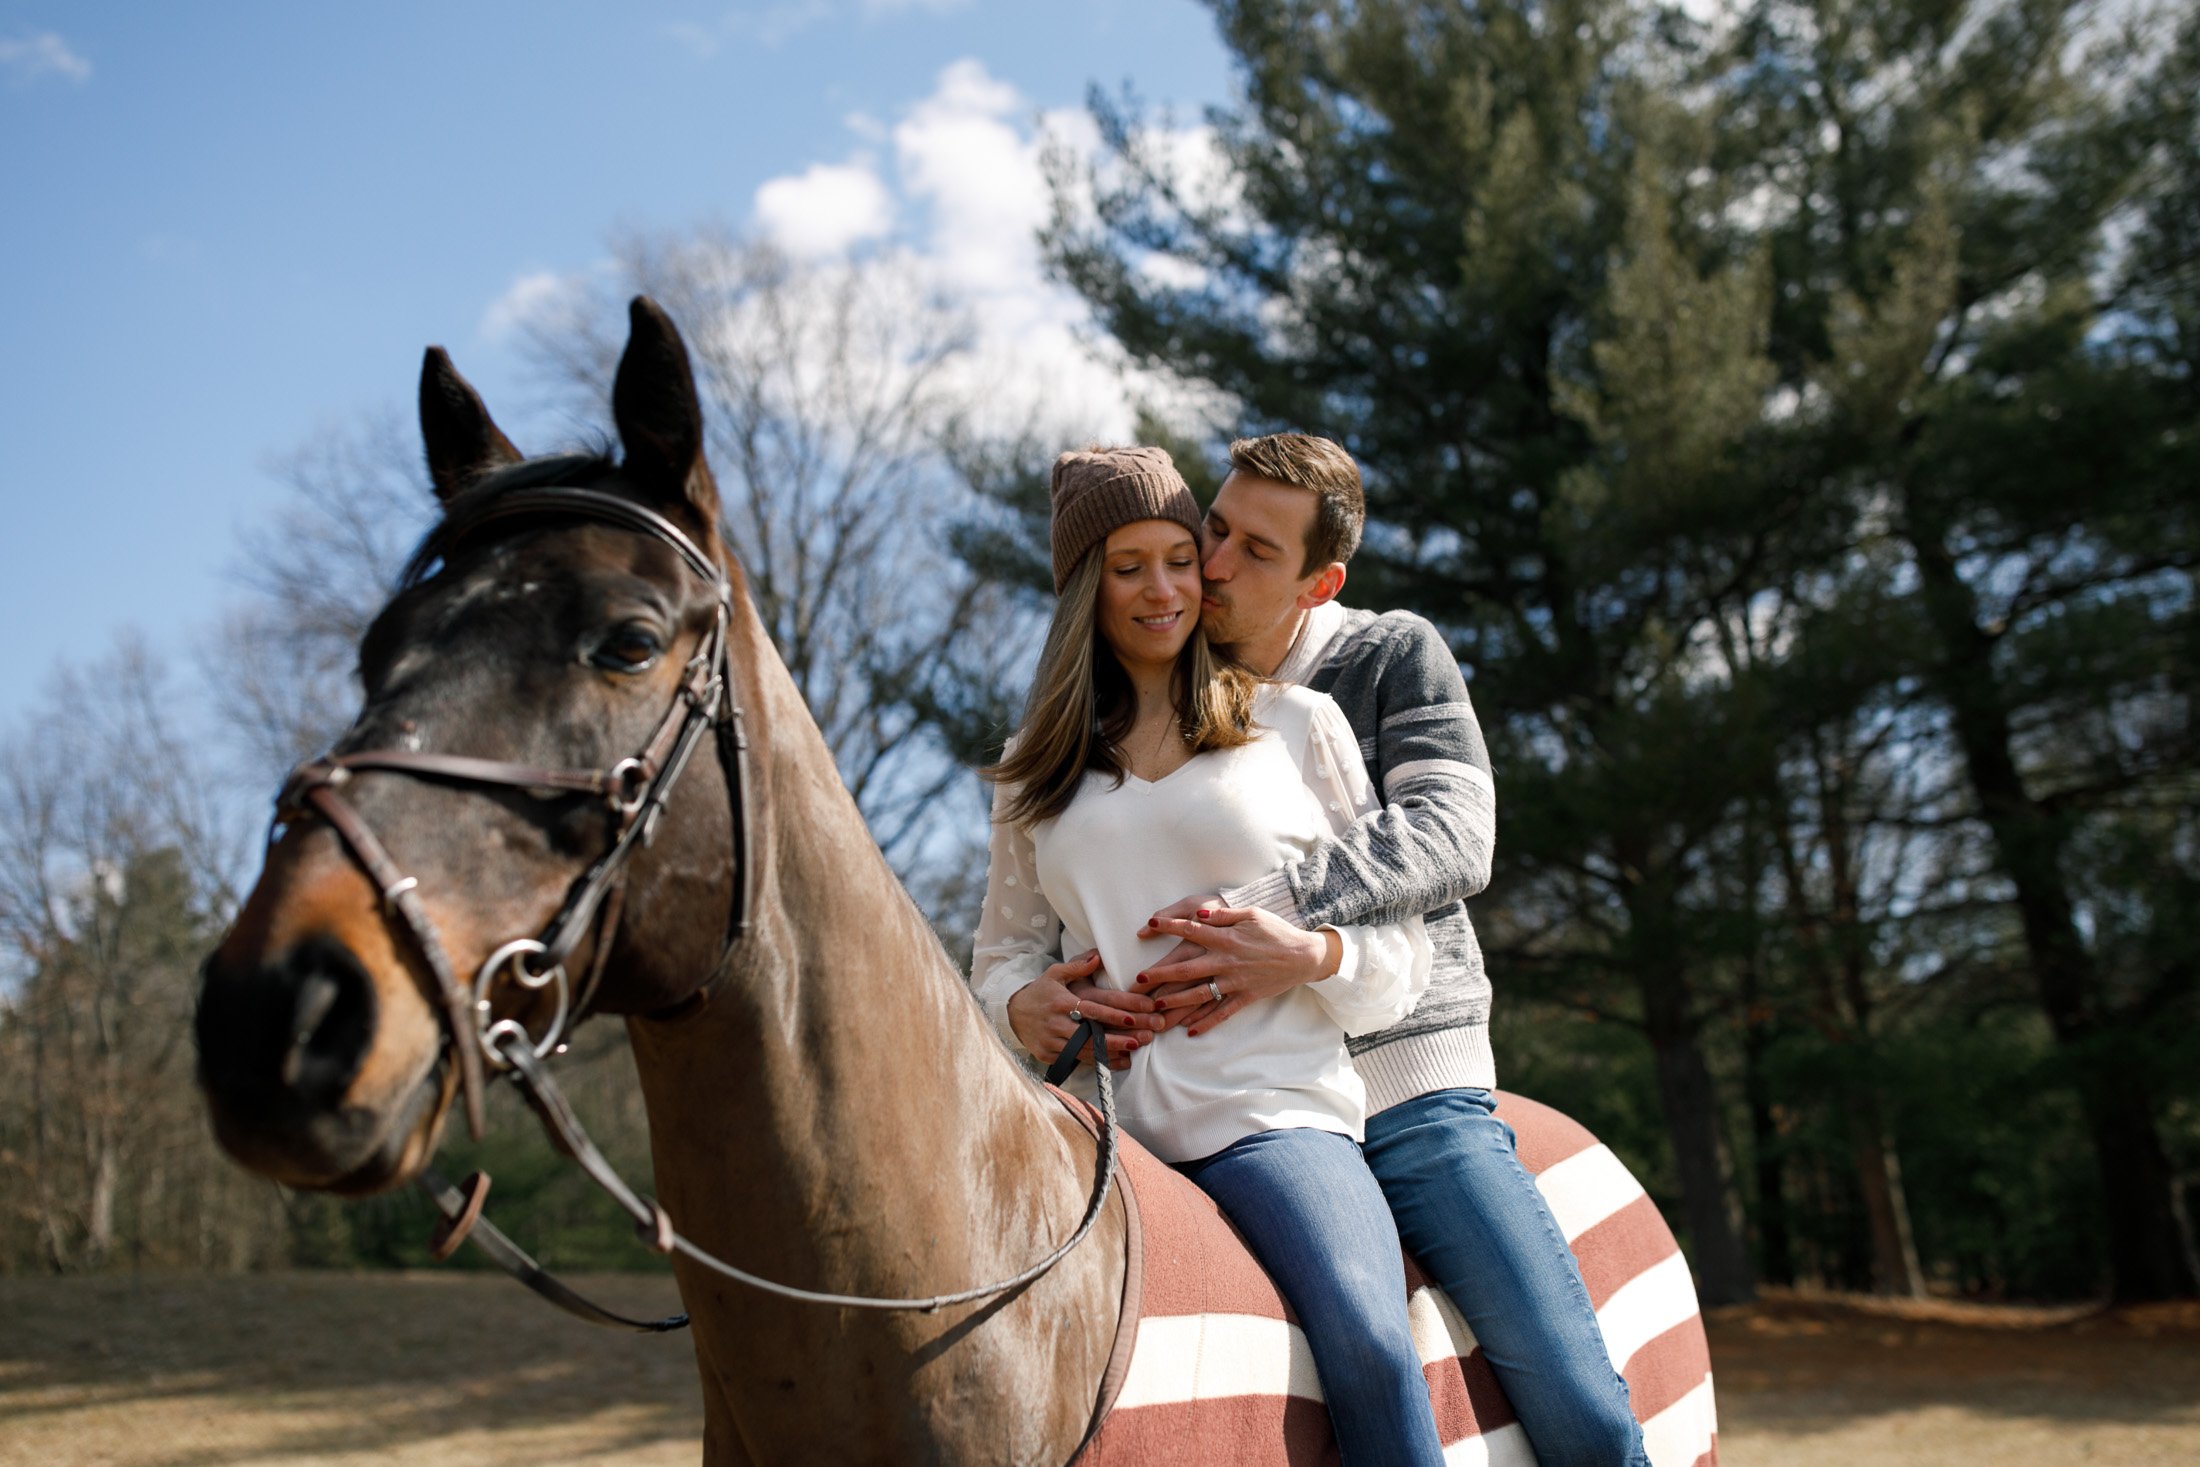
(329, 1368)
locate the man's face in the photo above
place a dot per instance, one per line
(1256, 546)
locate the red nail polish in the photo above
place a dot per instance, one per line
(1204, 912)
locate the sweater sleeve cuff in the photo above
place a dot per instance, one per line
(1272, 893)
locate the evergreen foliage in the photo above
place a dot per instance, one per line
(1789, 417)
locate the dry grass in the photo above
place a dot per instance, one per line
(328, 1369)
(1813, 1381)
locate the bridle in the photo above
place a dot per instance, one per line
(635, 790)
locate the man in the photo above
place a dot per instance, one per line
(1280, 532)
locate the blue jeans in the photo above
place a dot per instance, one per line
(1318, 1223)
(1471, 1215)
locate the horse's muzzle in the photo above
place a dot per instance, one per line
(281, 1046)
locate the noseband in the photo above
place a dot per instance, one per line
(634, 791)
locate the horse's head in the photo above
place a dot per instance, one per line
(330, 1047)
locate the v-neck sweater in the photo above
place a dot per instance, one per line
(1090, 877)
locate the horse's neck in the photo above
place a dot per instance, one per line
(838, 1109)
(837, 1116)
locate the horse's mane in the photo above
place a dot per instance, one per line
(578, 469)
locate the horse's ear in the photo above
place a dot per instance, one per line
(463, 442)
(659, 416)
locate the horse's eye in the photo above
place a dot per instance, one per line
(627, 649)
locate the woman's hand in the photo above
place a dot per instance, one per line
(1228, 957)
(1044, 1012)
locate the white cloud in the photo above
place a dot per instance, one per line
(963, 156)
(968, 161)
(42, 53)
(943, 202)
(825, 210)
(530, 297)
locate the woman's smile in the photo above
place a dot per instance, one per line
(1149, 593)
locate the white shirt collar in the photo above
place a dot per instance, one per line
(1316, 632)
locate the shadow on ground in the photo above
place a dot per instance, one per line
(437, 1370)
(196, 1370)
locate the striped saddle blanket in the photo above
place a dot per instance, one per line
(1215, 1372)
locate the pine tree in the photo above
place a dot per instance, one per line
(1673, 351)
(1981, 384)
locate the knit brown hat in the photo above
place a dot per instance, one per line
(1102, 489)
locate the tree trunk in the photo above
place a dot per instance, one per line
(1690, 1102)
(1844, 1015)
(1776, 1250)
(1895, 1269)
(1723, 1274)
(2150, 1255)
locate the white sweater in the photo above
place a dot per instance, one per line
(1090, 878)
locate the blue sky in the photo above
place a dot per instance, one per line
(229, 227)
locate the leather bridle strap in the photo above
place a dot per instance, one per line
(515, 1261)
(635, 788)
(401, 898)
(655, 1227)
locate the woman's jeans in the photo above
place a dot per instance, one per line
(1471, 1215)
(1318, 1223)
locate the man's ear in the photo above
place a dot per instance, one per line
(1325, 587)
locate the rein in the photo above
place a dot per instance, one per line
(635, 790)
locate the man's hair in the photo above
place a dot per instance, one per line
(1323, 469)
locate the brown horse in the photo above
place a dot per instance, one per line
(827, 1107)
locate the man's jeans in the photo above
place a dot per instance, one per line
(1319, 1225)
(1471, 1215)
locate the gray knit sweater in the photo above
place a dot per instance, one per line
(1426, 850)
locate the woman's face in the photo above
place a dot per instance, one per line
(1149, 591)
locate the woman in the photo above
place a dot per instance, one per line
(1148, 765)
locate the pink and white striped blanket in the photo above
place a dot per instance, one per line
(1216, 1373)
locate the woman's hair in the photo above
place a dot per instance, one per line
(1081, 705)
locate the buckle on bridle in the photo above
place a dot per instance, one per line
(628, 786)
(491, 1033)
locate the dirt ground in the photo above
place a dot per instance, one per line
(333, 1369)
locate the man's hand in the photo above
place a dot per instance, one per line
(1229, 957)
(1044, 1012)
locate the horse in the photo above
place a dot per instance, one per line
(543, 697)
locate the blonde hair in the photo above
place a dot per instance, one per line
(1081, 705)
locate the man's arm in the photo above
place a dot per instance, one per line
(1426, 846)
(1429, 843)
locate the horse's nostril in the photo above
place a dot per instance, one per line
(295, 1031)
(317, 995)
(332, 1021)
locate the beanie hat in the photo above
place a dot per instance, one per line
(1102, 489)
